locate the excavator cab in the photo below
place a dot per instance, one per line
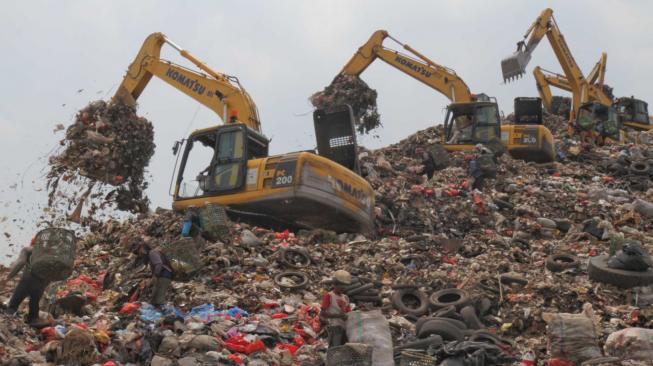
(468, 124)
(528, 111)
(336, 135)
(633, 112)
(215, 160)
(602, 119)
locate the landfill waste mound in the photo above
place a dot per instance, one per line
(110, 145)
(494, 276)
(352, 90)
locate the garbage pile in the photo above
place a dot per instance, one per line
(515, 271)
(108, 144)
(352, 90)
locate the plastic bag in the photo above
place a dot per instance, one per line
(371, 328)
(631, 343)
(643, 208)
(572, 336)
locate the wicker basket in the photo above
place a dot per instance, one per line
(351, 354)
(184, 257)
(409, 358)
(214, 221)
(54, 253)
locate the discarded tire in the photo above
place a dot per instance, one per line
(291, 279)
(410, 301)
(469, 317)
(561, 262)
(487, 337)
(367, 298)
(360, 289)
(421, 321)
(513, 279)
(447, 312)
(444, 329)
(354, 285)
(295, 258)
(599, 271)
(639, 168)
(434, 340)
(450, 296)
(404, 286)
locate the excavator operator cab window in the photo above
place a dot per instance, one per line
(486, 125)
(226, 172)
(217, 161)
(195, 165)
(472, 124)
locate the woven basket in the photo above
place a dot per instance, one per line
(53, 255)
(409, 358)
(214, 221)
(351, 354)
(184, 257)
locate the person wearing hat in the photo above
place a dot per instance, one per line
(335, 306)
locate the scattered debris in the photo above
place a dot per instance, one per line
(352, 90)
(110, 144)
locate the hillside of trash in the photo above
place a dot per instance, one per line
(255, 299)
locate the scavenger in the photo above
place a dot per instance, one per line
(335, 306)
(161, 271)
(49, 258)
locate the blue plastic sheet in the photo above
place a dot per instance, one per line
(204, 312)
(151, 314)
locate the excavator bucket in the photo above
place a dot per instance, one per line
(515, 65)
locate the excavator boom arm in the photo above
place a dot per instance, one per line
(545, 25)
(221, 93)
(418, 66)
(597, 75)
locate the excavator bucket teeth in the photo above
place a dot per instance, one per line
(515, 65)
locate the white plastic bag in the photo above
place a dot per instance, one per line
(631, 344)
(371, 328)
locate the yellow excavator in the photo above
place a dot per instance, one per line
(632, 112)
(591, 108)
(545, 79)
(471, 118)
(229, 164)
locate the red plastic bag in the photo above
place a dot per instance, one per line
(49, 334)
(129, 308)
(235, 358)
(290, 347)
(284, 235)
(279, 315)
(239, 344)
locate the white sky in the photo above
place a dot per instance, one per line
(282, 51)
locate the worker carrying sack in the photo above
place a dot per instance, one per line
(487, 165)
(184, 257)
(54, 253)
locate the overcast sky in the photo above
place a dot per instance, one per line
(59, 55)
